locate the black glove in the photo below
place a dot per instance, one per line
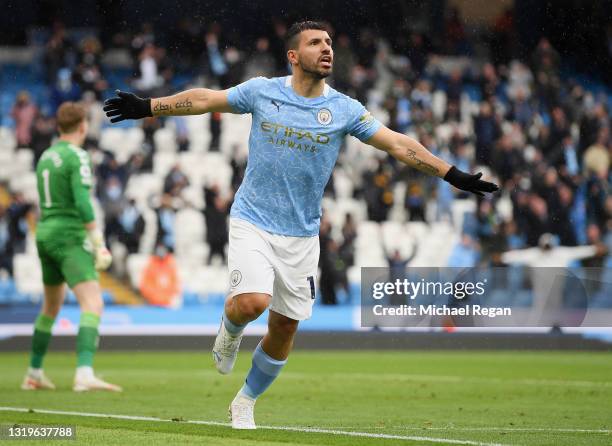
(469, 182)
(127, 106)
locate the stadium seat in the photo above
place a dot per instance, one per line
(165, 140)
(25, 182)
(135, 266)
(235, 131)
(198, 127)
(147, 242)
(8, 143)
(28, 274)
(23, 161)
(342, 184)
(163, 162)
(459, 208)
(141, 187)
(192, 229)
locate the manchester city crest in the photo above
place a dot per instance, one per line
(324, 116)
(235, 277)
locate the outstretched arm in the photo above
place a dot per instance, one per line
(190, 102)
(414, 154)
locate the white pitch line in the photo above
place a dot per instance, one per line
(454, 379)
(279, 428)
(488, 429)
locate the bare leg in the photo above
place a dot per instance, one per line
(246, 307)
(277, 343)
(54, 298)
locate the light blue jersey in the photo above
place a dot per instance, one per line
(293, 147)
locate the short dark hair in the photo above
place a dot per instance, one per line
(291, 38)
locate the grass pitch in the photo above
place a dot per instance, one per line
(407, 398)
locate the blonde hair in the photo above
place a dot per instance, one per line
(69, 116)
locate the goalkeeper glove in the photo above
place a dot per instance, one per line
(102, 255)
(468, 182)
(127, 106)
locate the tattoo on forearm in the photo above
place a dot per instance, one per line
(420, 164)
(162, 108)
(186, 104)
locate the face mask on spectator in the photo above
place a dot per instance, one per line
(113, 192)
(161, 251)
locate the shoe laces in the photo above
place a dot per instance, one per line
(229, 344)
(245, 411)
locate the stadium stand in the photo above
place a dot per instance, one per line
(543, 134)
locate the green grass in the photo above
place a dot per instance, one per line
(507, 397)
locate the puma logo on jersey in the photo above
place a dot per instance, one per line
(276, 104)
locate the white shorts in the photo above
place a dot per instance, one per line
(282, 266)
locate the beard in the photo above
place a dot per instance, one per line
(314, 71)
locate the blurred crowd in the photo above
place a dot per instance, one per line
(542, 136)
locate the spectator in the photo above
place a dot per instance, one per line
(166, 218)
(58, 52)
(95, 116)
(595, 118)
(215, 62)
(88, 73)
(149, 77)
(597, 157)
(346, 251)
(18, 222)
(175, 181)
(344, 62)
(65, 89)
(216, 214)
(6, 251)
(397, 271)
(464, 254)
(215, 132)
(415, 202)
(42, 135)
(487, 131)
(23, 112)
(503, 38)
(182, 133)
(160, 284)
(131, 227)
(378, 194)
(261, 62)
(418, 52)
(455, 38)
(238, 165)
(328, 263)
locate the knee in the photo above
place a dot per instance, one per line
(51, 309)
(93, 304)
(251, 307)
(283, 327)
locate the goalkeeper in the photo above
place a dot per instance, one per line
(70, 247)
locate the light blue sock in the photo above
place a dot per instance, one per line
(231, 327)
(264, 370)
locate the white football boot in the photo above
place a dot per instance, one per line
(35, 379)
(241, 412)
(225, 350)
(87, 381)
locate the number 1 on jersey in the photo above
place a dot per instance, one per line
(47, 189)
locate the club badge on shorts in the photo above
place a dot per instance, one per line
(324, 116)
(235, 278)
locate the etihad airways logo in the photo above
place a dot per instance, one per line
(284, 136)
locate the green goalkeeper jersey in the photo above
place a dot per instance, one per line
(64, 180)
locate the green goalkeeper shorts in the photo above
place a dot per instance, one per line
(65, 258)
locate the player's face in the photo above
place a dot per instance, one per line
(315, 55)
